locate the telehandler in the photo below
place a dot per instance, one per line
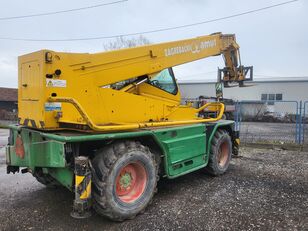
(108, 125)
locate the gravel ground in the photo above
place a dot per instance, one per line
(263, 190)
(251, 132)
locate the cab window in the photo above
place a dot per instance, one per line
(164, 80)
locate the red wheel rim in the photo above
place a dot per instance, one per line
(223, 154)
(131, 182)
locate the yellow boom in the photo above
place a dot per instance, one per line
(117, 90)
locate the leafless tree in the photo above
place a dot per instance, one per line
(122, 42)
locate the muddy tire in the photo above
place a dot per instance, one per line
(124, 180)
(46, 179)
(220, 153)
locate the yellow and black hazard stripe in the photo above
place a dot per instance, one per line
(32, 123)
(83, 186)
(82, 205)
(82, 178)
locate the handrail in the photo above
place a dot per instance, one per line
(212, 104)
(122, 127)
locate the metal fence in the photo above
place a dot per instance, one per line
(268, 121)
(304, 122)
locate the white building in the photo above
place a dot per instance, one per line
(285, 89)
(271, 89)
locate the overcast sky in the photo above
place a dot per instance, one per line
(273, 41)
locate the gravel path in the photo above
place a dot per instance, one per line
(263, 190)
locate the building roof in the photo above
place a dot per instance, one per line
(256, 80)
(8, 94)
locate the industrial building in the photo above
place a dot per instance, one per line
(262, 89)
(271, 98)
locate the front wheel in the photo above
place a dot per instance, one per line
(124, 180)
(220, 153)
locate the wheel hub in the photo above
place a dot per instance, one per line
(126, 180)
(131, 182)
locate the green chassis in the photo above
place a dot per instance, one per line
(183, 148)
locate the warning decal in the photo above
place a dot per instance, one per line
(55, 83)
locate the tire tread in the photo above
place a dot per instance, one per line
(211, 168)
(102, 166)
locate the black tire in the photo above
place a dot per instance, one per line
(46, 179)
(108, 164)
(220, 153)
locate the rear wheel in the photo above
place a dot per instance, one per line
(124, 180)
(220, 154)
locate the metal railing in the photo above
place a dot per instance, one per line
(304, 121)
(270, 121)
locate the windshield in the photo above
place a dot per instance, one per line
(165, 81)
